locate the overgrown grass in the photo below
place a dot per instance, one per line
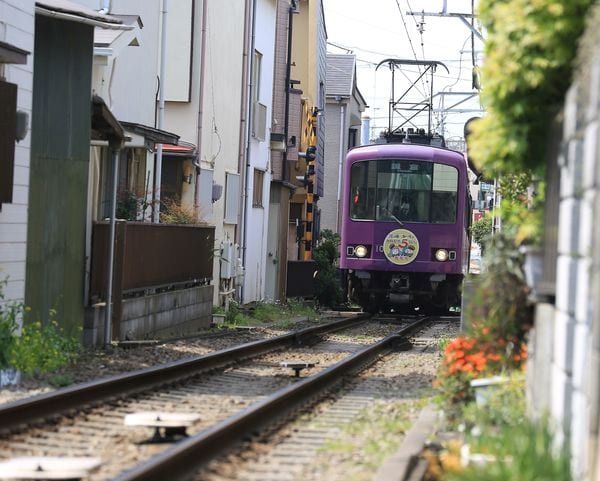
(526, 451)
(372, 436)
(277, 314)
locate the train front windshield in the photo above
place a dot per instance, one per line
(403, 190)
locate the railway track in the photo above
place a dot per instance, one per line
(238, 398)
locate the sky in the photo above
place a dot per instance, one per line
(375, 30)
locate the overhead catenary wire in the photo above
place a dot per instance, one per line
(420, 28)
(425, 89)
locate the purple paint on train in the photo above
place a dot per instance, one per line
(373, 230)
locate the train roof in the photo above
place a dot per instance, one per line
(411, 151)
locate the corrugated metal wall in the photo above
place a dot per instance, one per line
(59, 170)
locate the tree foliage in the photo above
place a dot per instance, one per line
(327, 281)
(530, 48)
(481, 230)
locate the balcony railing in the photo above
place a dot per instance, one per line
(151, 257)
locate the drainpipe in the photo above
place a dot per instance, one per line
(246, 169)
(105, 7)
(341, 160)
(288, 74)
(201, 105)
(115, 147)
(161, 113)
(243, 113)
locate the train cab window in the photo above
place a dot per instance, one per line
(393, 190)
(443, 194)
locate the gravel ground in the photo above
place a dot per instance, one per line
(347, 436)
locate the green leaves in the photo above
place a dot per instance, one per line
(40, 347)
(531, 46)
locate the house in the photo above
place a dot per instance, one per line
(257, 174)
(343, 110)
(308, 73)
(17, 22)
(155, 78)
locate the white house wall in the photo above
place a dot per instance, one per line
(17, 28)
(257, 217)
(221, 106)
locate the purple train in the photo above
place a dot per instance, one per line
(405, 226)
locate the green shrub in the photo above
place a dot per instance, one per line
(8, 327)
(43, 347)
(505, 406)
(328, 291)
(127, 206)
(482, 230)
(40, 347)
(499, 303)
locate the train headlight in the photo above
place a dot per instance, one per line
(361, 251)
(441, 255)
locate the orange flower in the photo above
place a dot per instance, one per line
(494, 356)
(485, 330)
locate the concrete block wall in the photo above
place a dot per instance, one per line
(565, 379)
(165, 315)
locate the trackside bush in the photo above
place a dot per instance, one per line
(39, 348)
(327, 282)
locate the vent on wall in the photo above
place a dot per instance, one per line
(259, 121)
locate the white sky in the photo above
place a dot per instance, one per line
(375, 30)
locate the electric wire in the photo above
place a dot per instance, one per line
(411, 47)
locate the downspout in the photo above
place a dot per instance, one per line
(105, 7)
(248, 126)
(341, 161)
(288, 74)
(161, 112)
(200, 106)
(243, 116)
(115, 147)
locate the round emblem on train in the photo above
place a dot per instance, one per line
(401, 247)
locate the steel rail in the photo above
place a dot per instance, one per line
(177, 462)
(43, 406)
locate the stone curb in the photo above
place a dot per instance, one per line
(400, 465)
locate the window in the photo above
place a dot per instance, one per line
(403, 190)
(8, 121)
(257, 192)
(259, 111)
(256, 73)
